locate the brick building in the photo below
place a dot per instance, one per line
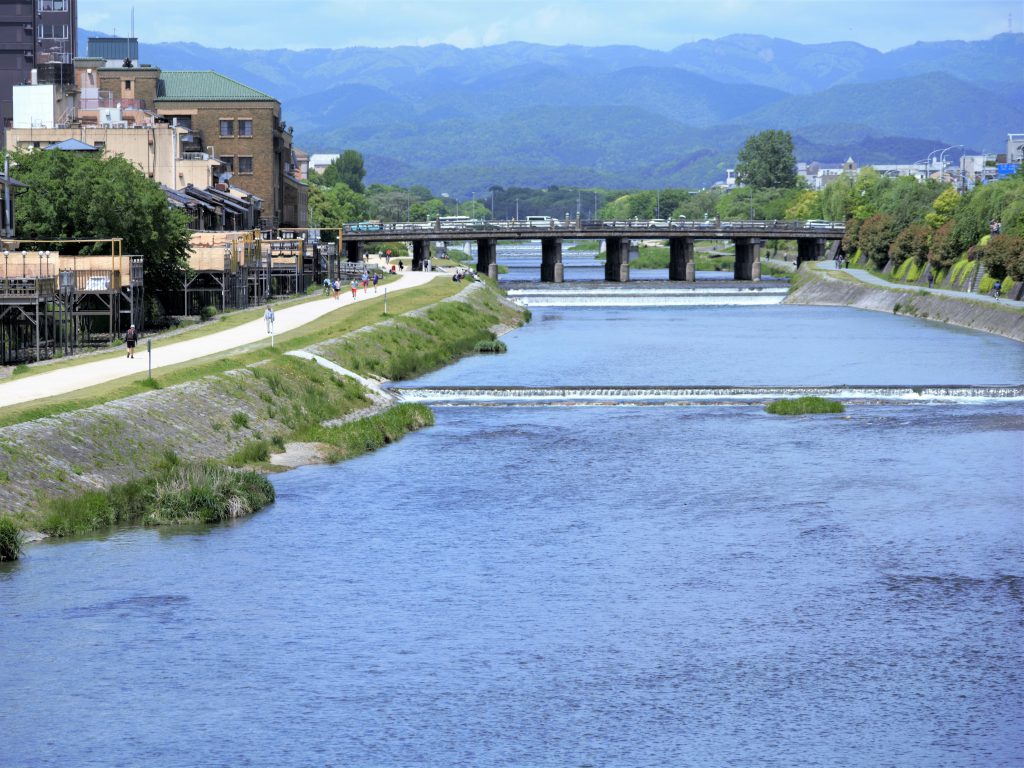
(243, 128)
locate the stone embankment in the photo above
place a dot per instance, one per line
(209, 418)
(818, 288)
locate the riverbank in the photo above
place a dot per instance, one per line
(240, 416)
(817, 287)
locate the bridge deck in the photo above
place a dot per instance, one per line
(595, 230)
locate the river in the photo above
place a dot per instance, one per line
(622, 584)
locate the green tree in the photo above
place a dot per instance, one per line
(943, 250)
(767, 160)
(1004, 255)
(943, 208)
(84, 195)
(910, 243)
(347, 168)
(876, 234)
(334, 206)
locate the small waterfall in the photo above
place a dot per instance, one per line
(704, 395)
(649, 297)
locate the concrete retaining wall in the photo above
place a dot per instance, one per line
(820, 289)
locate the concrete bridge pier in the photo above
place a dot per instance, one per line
(810, 249)
(353, 250)
(680, 259)
(616, 266)
(748, 262)
(487, 257)
(420, 253)
(551, 268)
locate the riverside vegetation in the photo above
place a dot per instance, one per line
(225, 425)
(801, 406)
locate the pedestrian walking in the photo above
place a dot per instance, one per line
(131, 337)
(355, 287)
(376, 279)
(365, 280)
(337, 289)
(401, 266)
(931, 278)
(268, 317)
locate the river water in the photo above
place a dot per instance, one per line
(605, 585)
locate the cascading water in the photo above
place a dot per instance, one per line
(703, 394)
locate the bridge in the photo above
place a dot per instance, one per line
(812, 238)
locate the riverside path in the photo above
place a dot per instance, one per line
(64, 380)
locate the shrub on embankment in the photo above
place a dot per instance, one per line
(173, 492)
(800, 406)
(10, 540)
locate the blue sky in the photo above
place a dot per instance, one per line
(658, 24)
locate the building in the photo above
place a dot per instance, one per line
(319, 162)
(243, 128)
(35, 35)
(196, 128)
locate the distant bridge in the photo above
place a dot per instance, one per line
(811, 237)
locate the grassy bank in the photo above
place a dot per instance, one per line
(344, 320)
(232, 415)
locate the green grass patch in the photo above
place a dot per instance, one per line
(10, 540)
(585, 245)
(959, 272)
(494, 346)
(174, 493)
(250, 452)
(369, 434)
(799, 406)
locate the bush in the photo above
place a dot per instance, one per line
(208, 312)
(493, 345)
(798, 406)
(10, 540)
(240, 419)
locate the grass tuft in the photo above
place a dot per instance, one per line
(183, 492)
(798, 406)
(10, 540)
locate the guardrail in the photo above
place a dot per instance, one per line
(519, 228)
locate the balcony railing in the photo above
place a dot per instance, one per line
(109, 102)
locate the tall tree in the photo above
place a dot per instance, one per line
(83, 195)
(347, 168)
(767, 160)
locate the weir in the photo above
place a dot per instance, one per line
(707, 395)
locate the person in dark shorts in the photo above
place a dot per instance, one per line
(131, 337)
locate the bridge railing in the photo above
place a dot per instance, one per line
(398, 230)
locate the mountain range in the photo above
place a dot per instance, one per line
(623, 116)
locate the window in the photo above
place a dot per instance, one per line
(53, 31)
(245, 165)
(127, 85)
(227, 127)
(245, 127)
(53, 5)
(229, 162)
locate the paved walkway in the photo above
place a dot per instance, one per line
(64, 380)
(866, 277)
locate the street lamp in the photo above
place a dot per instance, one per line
(942, 158)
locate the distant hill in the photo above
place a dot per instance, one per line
(624, 116)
